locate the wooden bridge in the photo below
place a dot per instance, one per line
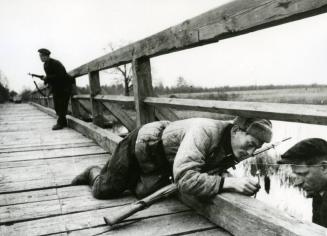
(36, 168)
(37, 164)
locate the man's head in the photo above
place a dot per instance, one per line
(248, 134)
(308, 160)
(44, 54)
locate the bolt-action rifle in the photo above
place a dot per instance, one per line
(41, 77)
(37, 76)
(166, 192)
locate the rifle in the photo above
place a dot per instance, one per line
(37, 87)
(165, 192)
(37, 76)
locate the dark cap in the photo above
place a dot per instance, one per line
(44, 51)
(306, 150)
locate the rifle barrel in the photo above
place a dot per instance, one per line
(35, 75)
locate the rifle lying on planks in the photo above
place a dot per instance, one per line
(166, 192)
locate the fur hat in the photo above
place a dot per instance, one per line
(258, 128)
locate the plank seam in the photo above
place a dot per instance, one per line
(36, 189)
(123, 223)
(9, 223)
(50, 158)
(46, 149)
(196, 231)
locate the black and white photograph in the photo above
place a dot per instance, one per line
(163, 117)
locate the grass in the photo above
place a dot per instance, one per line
(310, 95)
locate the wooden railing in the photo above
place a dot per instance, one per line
(230, 20)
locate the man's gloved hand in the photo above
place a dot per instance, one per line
(246, 186)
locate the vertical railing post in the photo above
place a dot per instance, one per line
(142, 88)
(75, 107)
(52, 102)
(95, 89)
(48, 97)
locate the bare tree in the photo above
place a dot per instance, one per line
(3, 79)
(4, 91)
(181, 82)
(124, 72)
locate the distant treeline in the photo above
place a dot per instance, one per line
(117, 89)
(196, 89)
(4, 93)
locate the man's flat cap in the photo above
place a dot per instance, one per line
(44, 51)
(258, 128)
(304, 150)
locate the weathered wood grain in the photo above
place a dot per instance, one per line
(116, 99)
(106, 139)
(142, 88)
(229, 20)
(28, 126)
(86, 220)
(121, 115)
(36, 137)
(95, 89)
(82, 97)
(313, 114)
(53, 153)
(163, 113)
(44, 195)
(59, 206)
(75, 106)
(86, 110)
(242, 215)
(174, 224)
(30, 147)
(210, 232)
(46, 110)
(45, 173)
(87, 143)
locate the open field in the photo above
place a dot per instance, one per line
(310, 95)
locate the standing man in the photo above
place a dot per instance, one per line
(60, 83)
(184, 149)
(308, 160)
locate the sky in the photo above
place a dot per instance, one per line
(77, 31)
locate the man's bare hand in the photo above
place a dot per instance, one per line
(246, 186)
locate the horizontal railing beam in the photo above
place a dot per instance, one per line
(82, 97)
(107, 98)
(229, 20)
(312, 114)
(115, 99)
(242, 215)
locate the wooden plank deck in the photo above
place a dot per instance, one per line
(36, 167)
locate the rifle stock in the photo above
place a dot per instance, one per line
(124, 212)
